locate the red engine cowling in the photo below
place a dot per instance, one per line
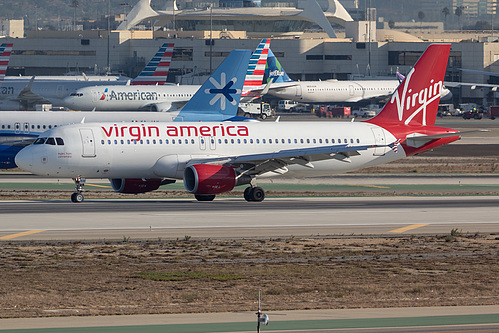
(135, 185)
(209, 179)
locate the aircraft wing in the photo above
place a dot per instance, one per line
(472, 85)
(20, 142)
(255, 164)
(27, 97)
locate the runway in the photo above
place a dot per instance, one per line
(236, 218)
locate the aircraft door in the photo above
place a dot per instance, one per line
(26, 128)
(298, 90)
(95, 95)
(351, 90)
(379, 139)
(60, 91)
(88, 142)
(17, 128)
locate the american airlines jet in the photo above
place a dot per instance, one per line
(19, 128)
(213, 158)
(159, 97)
(17, 94)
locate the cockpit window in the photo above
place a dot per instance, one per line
(60, 141)
(50, 141)
(39, 141)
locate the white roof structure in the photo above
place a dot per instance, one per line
(312, 12)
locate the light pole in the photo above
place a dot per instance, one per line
(211, 34)
(74, 5)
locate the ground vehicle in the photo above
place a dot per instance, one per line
(323, 112)
(493, 112)
(261, 110)
(286, 105)
(448, 110)
(300, 108)
(364, 113)
(472, 114)
(340, 111)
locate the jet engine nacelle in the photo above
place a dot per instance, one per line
(209, 179)
(158, 107)
(135, 185)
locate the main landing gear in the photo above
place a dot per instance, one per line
(256, 194)
(78, 195)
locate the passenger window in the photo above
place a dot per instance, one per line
(308, 140)
(251, 141)
(314, 140)
(232, 141)
(192, 141)
(245, 141)
(226, 141)
(153, 142)
(108, 142)
(101, 142)
(166, 141)
(147, 141)
(60, 141)
(301, 140)
(115, 142)
(358, 141)
(50, 141)
(270, 140)
(122, 142)
(263, 140)
(257, 140)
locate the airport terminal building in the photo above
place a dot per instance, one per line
(358, 50)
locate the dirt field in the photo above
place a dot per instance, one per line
(193, 275)
(157, 276)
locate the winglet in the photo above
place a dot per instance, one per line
(5, 51)
(220, 94)
(156, 71)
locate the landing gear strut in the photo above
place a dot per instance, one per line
(78, 195)
(256, 194)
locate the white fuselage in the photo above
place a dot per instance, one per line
(129, 98)
(52, 91)
(332, 91)
(156, 150)
(28, 124)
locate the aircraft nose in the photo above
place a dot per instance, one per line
(24, 159)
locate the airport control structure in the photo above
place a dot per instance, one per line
(312, 39)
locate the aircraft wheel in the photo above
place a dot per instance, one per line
(257, 194)
(247, 193)
(247, 115)
(77, 197)
(204, 197)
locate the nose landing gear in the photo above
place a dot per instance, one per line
(78, 195)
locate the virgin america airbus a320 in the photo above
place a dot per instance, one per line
(212, 158)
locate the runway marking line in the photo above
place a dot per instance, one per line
(409, 227)
(373, 186)
(95, 185)
(30, 232)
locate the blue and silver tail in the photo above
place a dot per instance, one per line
(218, 98)
(156, 71)
(274, 71)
